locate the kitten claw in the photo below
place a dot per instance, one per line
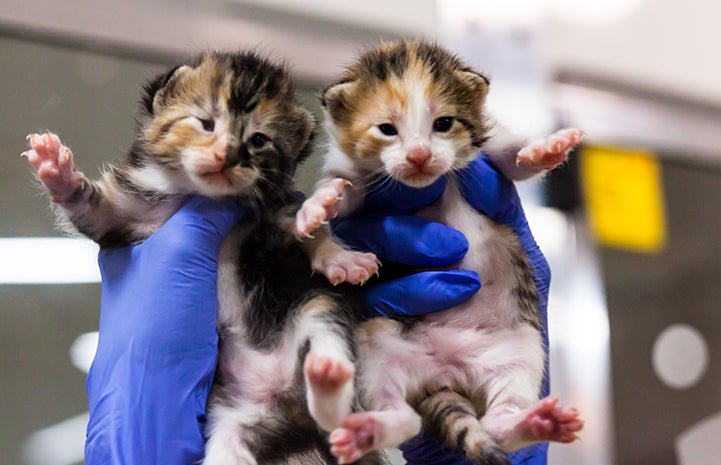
(551, 151)
(320, 207)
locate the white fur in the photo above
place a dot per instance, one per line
(155, 178)
(478, 347)
(473, 347)
(257, 377)
(326, 408)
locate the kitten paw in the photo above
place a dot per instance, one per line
(347, 266)
(319, 208)
(53, 162)
(330, 388)
(546, 421)
(551, 151)
(325, 374)
(354, 439)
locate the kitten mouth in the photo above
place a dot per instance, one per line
(221, 174)
(418, 176)
(216, 177)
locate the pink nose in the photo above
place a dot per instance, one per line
(418, 155)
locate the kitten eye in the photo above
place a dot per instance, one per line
(388, 129)
(258, 140)
(443, 124)
(208, 124)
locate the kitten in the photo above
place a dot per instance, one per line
(228, 125)
(469, 375)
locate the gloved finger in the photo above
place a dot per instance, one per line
(387, 195)
(210, 218)
(421, 293)
(488, 191)
(403, 239)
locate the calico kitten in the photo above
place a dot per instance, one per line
(469, 375)
(228, 125)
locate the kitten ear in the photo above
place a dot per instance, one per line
(476, 81)
(306, 131)
(336, 101)
(161, 88)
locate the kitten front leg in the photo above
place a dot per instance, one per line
(327, 256)
(53, 163)
(519, 157)
(338, 264)
(320, 207)
(102, 210)
(549, 152)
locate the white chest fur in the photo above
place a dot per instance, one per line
(490, 254)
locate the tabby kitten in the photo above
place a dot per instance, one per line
(228, 125)
(470, 375)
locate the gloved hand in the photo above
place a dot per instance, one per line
(405, 239)
(385, 226)
(158, 345)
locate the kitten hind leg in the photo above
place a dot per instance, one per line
(543, 421)
(452, 418)
(391, 423)
(328, 370)
(363, 432)
(53, 163)
(515, 418)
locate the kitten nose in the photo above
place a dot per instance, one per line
(220, 156)
(227, 156)
(418, 155)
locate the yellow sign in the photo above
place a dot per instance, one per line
(624, 198)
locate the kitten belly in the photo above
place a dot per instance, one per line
(491, 248)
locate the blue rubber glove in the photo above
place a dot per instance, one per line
(385, 226)
(149, 381)
(489, 192)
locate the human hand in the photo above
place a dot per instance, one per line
(149, 381)
(398, 238)
(386, 227)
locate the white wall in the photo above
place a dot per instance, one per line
(665, 45)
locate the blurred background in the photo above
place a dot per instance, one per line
(631, 226)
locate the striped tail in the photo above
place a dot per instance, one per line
(451, 418)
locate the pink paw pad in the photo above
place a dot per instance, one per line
(546, 421)
(354, 439)
(320, 207)
(327, 374)
(53, 162)
(347, 266)
(551, 151)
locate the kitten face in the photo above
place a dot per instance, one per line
(409, 109)
(225, 125)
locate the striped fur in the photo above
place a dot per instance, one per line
(227, 125)
(222, 125)
(414, 112)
